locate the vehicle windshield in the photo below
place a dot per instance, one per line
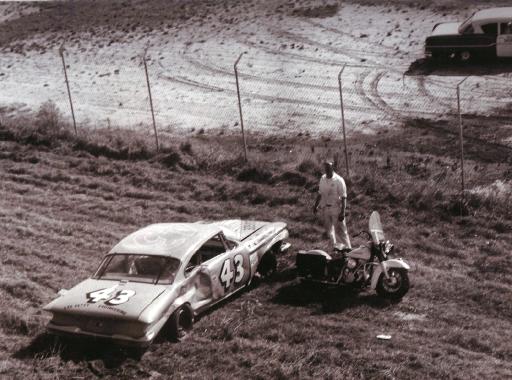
(468, 22)
(139, 268)
(375, 227)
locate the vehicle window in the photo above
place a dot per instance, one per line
(469, 30)
(195, 261)
(139, 268)
(231, 244)
(464, 26)
(506, 27)
(491, 29)
(212, 248)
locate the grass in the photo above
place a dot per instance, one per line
(66, 200)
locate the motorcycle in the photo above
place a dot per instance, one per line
(363, 268)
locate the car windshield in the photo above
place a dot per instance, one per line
(466, 23)
(138, 268)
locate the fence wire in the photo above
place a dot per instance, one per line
(297, 95)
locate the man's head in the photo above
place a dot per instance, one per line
(329, 168)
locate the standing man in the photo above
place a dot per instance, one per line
(332, 201)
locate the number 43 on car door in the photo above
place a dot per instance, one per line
(234, 272)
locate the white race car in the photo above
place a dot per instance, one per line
(164, 275)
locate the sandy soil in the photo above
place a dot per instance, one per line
(288, 75)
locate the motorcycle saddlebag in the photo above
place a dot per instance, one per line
(312, 264)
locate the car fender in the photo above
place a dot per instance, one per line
(256, 252)
(163, 304)
(281, 236)
(388, 264)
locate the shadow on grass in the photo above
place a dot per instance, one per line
(284, 275)
(331, 300)
(101, 354)
(425, 66)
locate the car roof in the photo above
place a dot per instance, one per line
(493, 14)
(178, 240)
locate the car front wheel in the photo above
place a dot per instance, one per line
(181, 323)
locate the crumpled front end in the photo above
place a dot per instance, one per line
(122, 331)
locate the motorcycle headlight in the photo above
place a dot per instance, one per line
(351, 263)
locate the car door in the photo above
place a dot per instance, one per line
(235, 271)
(504, 41)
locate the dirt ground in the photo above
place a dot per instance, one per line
(288, 74)
(66, 200)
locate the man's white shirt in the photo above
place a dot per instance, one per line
(332, 190)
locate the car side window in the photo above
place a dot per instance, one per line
(230, 244)
(491, 29)
(469, 29)
(194, 262)
(506, 28)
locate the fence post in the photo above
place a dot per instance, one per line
(343, 120)
(461, 143)
(61, 52)
(151, 101)
(240, 105)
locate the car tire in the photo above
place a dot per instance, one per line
(465, 56)
(267, 266)
(181, 323)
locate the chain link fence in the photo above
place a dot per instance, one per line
(297, 96)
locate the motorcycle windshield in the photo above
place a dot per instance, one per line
(375, 227)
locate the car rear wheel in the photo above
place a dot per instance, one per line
(181, 323)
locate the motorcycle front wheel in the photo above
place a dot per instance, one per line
(394, 287)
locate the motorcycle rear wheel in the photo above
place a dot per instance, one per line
(396, 286)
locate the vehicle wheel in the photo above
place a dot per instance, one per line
(268, 265)
(396, 286)
(181, 323)
(465, 56)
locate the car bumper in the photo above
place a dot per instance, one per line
(73, 331)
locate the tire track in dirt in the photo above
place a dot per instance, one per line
(299, 57)
(374, 97)
(220, 71)
(340, 51)
(424, 91)
(379, 100)
(374, 100)
(351, 36)
(360, 91)
(193, 83)
(269, 98)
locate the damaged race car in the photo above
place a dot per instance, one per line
(165, 275)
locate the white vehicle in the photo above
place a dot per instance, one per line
(486, 34)
(166, 274)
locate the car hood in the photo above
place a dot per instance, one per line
(241, 230)
(80, 299)
(446, 28)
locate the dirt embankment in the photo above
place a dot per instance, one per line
(66, 201)
(288, 76)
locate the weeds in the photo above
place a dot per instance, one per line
(75, 200)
